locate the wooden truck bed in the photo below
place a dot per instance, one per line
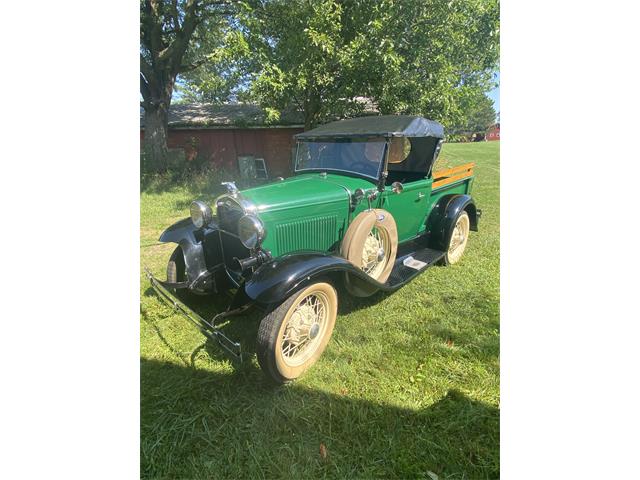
(452, 175)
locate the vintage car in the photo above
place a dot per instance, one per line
(363, 208)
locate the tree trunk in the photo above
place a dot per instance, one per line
(156, 116)
(311, 111)
(308, 121)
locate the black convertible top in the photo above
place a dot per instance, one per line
(377, 126)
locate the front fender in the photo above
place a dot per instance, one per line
(184, 234)
(275, 281)
(443, 216)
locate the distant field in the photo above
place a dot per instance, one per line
(407, 388)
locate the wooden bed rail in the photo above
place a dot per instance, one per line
(450, 175)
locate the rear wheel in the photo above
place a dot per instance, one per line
(292, 336)
(459, 238)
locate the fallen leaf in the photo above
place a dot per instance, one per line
(449, 342)
(323, 451)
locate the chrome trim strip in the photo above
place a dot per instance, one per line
(357, 174)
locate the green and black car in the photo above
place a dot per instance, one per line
(363, 208)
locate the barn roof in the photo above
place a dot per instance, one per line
(227, 115)
(378, 125)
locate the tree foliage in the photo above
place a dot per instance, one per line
(224, 73)
(428, 57)
(479, 116)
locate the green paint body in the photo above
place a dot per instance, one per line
(312, 211)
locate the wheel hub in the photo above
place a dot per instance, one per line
(314, 330)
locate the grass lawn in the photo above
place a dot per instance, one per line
(408, 386)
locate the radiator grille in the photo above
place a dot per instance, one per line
(229, 212)
(318, 233)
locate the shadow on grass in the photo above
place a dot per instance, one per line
(203, 424)
(233, 423)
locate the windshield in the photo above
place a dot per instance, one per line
(363, 157)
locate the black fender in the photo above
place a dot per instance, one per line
(443, 216)
(185, 234)
(275, 281)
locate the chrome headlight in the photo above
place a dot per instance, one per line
(251, 231)
(201, 214)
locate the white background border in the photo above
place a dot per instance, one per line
(569, 203)
(70, 205)
(569, 239)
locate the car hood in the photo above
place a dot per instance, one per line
(302, 190)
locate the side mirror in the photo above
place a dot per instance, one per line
(397, 187)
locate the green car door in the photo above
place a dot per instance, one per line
(409, 207)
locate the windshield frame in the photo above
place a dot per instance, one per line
(381, 164)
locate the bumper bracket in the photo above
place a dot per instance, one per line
(209, 329)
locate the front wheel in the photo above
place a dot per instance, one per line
(177, 273)
(292, 336)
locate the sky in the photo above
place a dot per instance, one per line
(495, 95)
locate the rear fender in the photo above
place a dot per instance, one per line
(275, 281)
(443, 216)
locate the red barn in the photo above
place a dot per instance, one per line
(494, 132)
(227, 135)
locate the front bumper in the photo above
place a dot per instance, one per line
(209, 329)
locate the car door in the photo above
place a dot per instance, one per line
(409, 207)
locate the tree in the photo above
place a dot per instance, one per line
(480, 115)
(224, 76)
(173, 35)
(409, 56)
(304, 54)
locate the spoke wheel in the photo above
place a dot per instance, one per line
(370, 244)
(292, 336)
(304, 329)
(375, 252)
(459, 238)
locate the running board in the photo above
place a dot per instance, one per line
(401, 273)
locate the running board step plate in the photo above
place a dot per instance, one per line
(402, 273)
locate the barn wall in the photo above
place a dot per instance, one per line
(221, 147)
(493, 133)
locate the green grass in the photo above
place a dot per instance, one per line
(407, 388)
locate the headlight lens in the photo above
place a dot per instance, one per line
(251, 231)
(201, 214)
